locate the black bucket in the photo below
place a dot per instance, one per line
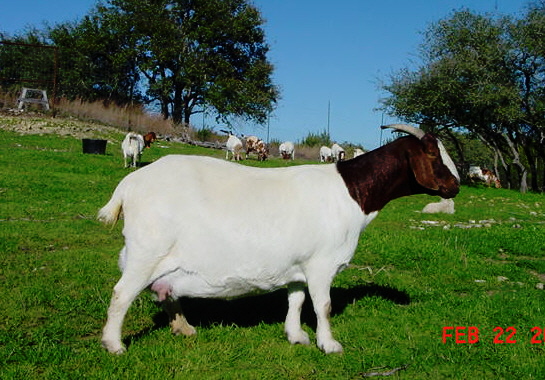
(94, 146)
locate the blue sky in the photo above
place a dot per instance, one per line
(324, 52)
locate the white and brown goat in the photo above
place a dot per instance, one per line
(254, 144)
(132, 147)
(186, 237)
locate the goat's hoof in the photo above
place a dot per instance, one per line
(300, 337)
(331, 347)
(114, 348)
(186, 330)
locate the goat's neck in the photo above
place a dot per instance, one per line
(377, 177)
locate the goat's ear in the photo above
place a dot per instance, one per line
(422, 163)
(422, 166)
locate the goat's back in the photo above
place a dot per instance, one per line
(275, 207)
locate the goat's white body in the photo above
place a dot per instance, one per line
(132, 147)
(258, 248)
(192, 238)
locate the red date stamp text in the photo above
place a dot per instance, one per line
(500, 335)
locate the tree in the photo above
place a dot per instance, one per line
(528, 59)
(181, 55)
(96, 61)
(196, 53)
(483, 76)
(27, 60)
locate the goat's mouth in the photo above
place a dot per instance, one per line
(450, 191)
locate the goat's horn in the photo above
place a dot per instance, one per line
(406, 128)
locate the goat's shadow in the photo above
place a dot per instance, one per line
(267, 308)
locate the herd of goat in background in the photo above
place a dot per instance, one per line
(134, 144)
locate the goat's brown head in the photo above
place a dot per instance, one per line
(432, 166)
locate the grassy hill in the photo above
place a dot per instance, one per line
(413, 276)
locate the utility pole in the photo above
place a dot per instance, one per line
(268, 127)
(381, 124)
(328, 117)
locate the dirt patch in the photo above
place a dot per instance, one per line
(34, 124)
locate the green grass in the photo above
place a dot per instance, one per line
(408, 280)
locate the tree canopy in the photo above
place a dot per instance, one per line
(482, 75)
(178, 55)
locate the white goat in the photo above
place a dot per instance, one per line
(186, 236)
(337, 152)
(287, 150)
(233, 145)
(358, 152)
(325, 154)
(132, 146)
(444, 205)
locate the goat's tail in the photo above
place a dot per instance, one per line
(109, 214)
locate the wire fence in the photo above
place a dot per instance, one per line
(28, 65)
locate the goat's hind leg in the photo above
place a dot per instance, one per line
(124, 293)
(135, 278)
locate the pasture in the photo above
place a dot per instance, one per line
(412, 276)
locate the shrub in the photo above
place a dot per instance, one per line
(317, 139)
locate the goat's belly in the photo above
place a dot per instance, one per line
(181, 283)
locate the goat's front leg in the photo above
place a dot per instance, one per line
(319, 287)
(292, 328)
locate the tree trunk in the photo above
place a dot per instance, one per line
(189, 104)
(532, 164)
(498, 155)
(540, 159)
(164, 107)
(516, 161)
(178, 105)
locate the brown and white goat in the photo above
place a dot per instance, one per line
(254, 144)
(484, 175)
(186, 237)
